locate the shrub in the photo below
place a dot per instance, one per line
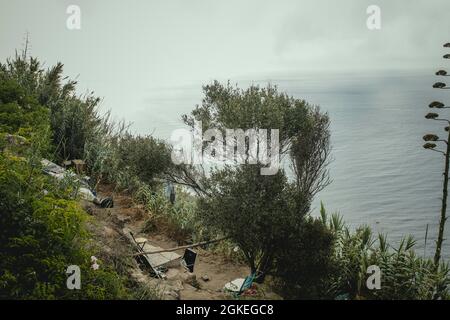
(144, 157)
(40, 236)
(73, 120)
(179, 220)
(42, 228)
(404, 275)
(304, 260)
(254, 210)
(26, 90)
(265, 218)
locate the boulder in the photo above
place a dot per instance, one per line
(205, 277)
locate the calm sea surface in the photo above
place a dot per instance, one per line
(381, 175)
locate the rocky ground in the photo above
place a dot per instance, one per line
(211, 270)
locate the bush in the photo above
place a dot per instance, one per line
(255, 211)
(179, 221)
(304, 260)
(266, 216)
(144, 157)
(40, 236)
(73, 121)
(26, 83)
(42, 227)
(404, 275)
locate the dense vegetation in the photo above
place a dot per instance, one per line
(268, 216)
(42, 226)
(43, 229)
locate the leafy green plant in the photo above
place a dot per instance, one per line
(404, 275)
(144, 157)
(41, 234)
(43, 229)
(179, 220)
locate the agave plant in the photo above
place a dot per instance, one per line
(439, 85)
(430, 145)
(430, 137)
(436, 104)
(431, 115)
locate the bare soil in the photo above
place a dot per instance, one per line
(211, 270)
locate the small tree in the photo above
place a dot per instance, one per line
(430, 144)
(303, 130)
(267, 218)
(254, 211)
(266, 215)
(143, 156)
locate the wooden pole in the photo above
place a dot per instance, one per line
(181, 247)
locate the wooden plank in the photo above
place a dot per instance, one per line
(182, 247)
(162, 259)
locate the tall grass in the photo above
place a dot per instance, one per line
(178, 220)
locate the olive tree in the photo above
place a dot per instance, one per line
(265, 215)
(304, 135)
(255, 211)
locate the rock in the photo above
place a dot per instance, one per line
(205, 277)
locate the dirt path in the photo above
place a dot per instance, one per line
(211, 271)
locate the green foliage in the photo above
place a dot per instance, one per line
(261, 216)
(225, 106)
(42, 227)
(40, 236)
(73, 121)
(128, 161)
(179, 220)
(266, 216)
(153, 199)
(28, 92)
(255, 211)
(303, 129)
(22, 119)
(101, 156)
(304, 261)
(143, 157)
(33, 100)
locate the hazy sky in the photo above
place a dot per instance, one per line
(127, 49)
